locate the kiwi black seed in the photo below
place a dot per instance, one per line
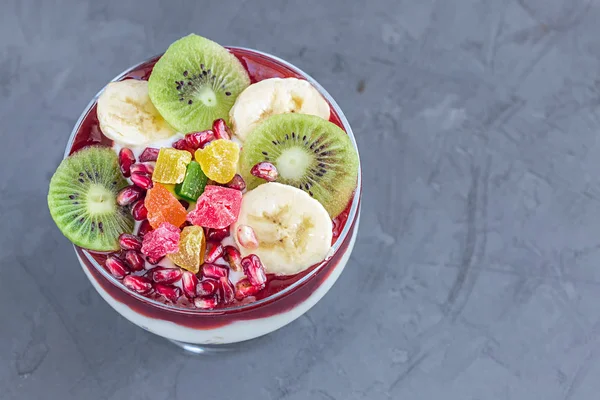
(309, 152)
(82, 199)
(196, 82)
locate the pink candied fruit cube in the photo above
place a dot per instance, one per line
(161, 241)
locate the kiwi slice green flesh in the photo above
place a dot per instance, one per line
(82, 199)
(309, 152)
(196, 82)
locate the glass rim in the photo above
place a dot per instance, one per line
(352, 214)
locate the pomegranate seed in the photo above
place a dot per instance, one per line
(217, 235)
(244, 289)
(128, 195)
(116, 267)
(214, 271)
(141, 180)
(233, 257)
(145, 227)
(206, 287)
(221, 129)
(265, 170)
(149, 154)
(134, 260)
(165, 275)
(184, 203)
(139, 284)
(227, 290)
(246, 237)
(189, 282)
(140, 168)
(254, 270)
(153, 261)
(205, 304)
(215, 252)
(197, 140)
(139, 211)
(237, 183)
(181, 144)
(130, 242)
(170, 292)
(126, 159)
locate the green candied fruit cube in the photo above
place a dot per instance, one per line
(193, 183)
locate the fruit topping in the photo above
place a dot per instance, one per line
(219, 160)
(149, 154)
(130, 242)
(233, 258)
(82, 199)
(275, 96)
(142, 168)
(196, 82)
(144, 228)
(162, 207)
(154, 260)
(189, 282)
(197, 140)
(126, 160)
(139, 210)
(129, 194)
(246, 237)
(171, 165)
(237, 183)
(309, 153)
(216, 235)
(139, 284)
(214, 271)
(134, 260)
(182, 144)
(193, 183)
(169, 292)
(292, 228)
(265, 170)
(207, 287)
(192, 246)
(218, 207)
(161, 241)
(165, 275)
(142, 181)
(227, 290)
(221, 130)
(116, 267)
(127, 116)
(244, 289)
(215, 252)
(206, 303)
(254, 270)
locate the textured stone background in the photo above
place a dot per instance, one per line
(475, 275)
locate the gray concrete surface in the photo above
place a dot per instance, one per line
(476, 274)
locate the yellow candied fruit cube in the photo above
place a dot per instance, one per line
(171, 165)
(192, 245)
(219, 160)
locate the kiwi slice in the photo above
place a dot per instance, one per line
(196, 82)
(82, 199)
(309, 152)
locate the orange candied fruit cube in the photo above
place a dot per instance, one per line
(162, 207)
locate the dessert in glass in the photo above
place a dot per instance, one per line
(212, 194)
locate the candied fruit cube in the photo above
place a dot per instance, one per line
(161, 241)
(171, 165)
(193, 184)
(218, 207)
(219, 160)
(192, 245)
(162, 207)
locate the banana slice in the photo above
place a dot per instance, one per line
(294, 230)
(127, 115)
(275, 96)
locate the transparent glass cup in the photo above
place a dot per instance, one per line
(201, 331)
